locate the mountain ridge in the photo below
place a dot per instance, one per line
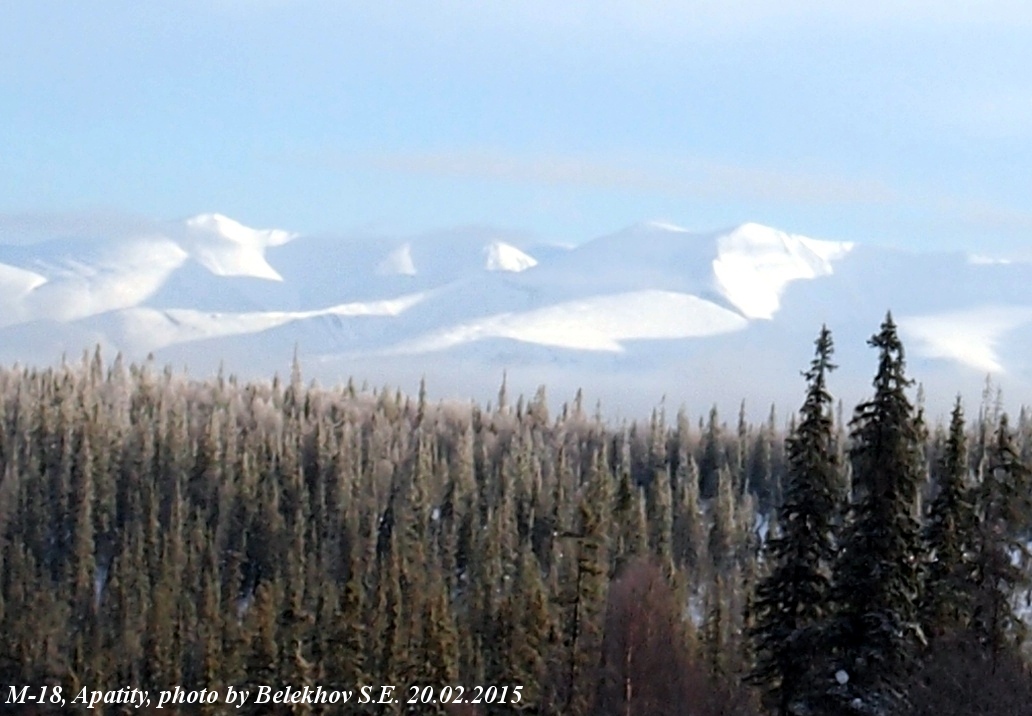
(468, 305)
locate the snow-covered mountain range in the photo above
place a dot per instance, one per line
(651, 311)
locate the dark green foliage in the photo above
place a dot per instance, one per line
(712, 457)
(157, 531)
(793, 600)
(950, 535)
(586, 597)
(1001, 555)
(960, 677)
(874, 632)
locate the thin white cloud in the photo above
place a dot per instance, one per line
(33, 227)
(990, 216)
(698, 179)
(683, 179)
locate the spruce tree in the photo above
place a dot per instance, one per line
(874, 633)
(791, 602)
(689, 520)
(722, 536)
(587, 603)
(628, 512)
(949, 538)
(1004, 510)
(712, 456)
(660, 516)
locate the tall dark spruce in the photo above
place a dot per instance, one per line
(949, 534)
(791, 603)
(1004, 509)
(874, 635)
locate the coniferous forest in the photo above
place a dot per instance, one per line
(160, 531)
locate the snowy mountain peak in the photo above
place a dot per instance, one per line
(500, 256)
(751, 230)
(755, 263)
(645, 310)
(228, 248)
(221, 226)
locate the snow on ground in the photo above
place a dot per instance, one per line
(981, 260)
(970, 336)
(150, 329)
(120, 276)
(16, 281)
(755, 263)
(649, 302)
(667, 226)
(596, 323)
(15, 284)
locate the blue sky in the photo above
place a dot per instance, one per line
(908, 126)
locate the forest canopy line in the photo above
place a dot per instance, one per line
(158, 531)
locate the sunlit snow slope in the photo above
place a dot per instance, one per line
(649, 311)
